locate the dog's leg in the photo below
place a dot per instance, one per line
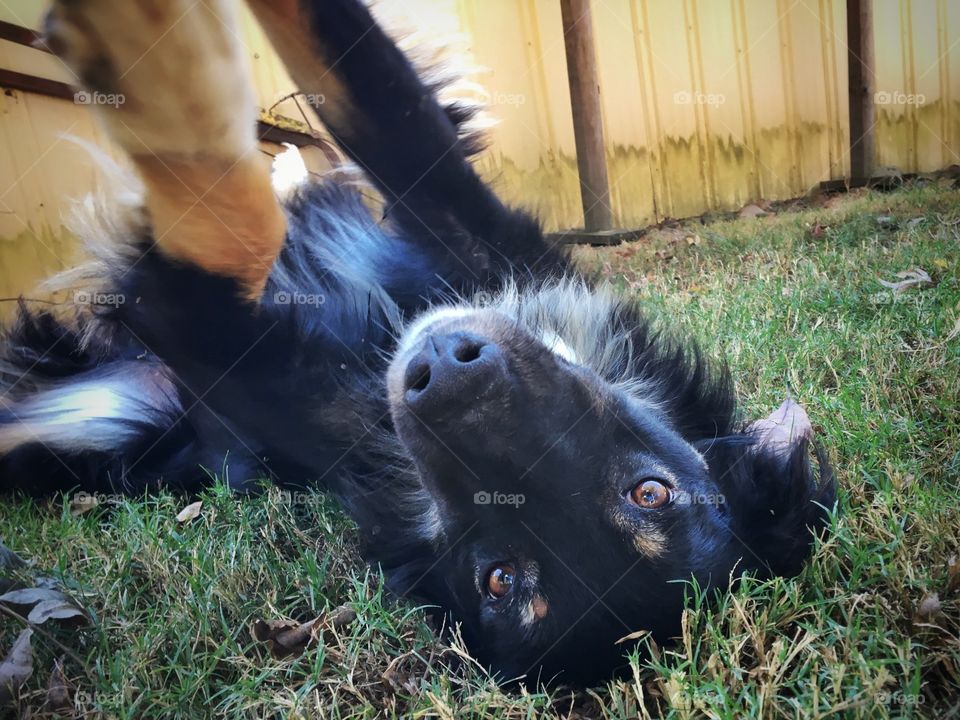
(169, 80)
(381, 113)
(371, 100)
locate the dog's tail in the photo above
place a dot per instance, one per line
(91, 411)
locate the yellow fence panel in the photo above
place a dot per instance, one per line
(707, 105)
(918, 83)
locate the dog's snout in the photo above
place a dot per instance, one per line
(449, 370)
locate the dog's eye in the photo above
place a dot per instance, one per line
(500, 580)
(650, 494)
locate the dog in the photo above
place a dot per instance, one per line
(522, 450)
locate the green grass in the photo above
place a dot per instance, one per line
(792, 300)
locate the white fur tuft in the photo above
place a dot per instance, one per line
(91, 414)
(289, 171)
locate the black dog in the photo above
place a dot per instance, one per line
(518, 447)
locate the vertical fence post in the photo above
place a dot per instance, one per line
(587, 117)
(862, 84)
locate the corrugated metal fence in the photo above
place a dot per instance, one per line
(710, 104)
(707, 104)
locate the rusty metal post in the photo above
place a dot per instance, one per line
(862, 85)
(587, 114)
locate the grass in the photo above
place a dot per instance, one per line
(793, 301)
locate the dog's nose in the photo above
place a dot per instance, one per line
(450, 370)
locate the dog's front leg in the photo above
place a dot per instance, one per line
(169, 80)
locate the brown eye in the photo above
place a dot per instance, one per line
(650, 494)
(500, 580)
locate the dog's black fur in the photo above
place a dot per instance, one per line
(340, 391)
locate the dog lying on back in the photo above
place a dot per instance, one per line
(517, 446)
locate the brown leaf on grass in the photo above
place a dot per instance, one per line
(397, 678)
(81, 503)
(286, 637)
(289, 637)
(28, 597)
(41, 604)
(953, 575)
(58, 699)
(929, 608)
(63, 612)
(190, 512)
(636, 635)
(915, 278)
(342, 616)
(752, 211)
(17, 667)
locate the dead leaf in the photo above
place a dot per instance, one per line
(58, 692)
(637, 635)
(396, 679)
(342, 616)
(929, 608)
(752, 211)
(953, 575)
(82, 503)
(64, 612)
(286, 637)
(28, 597)
(190, 512)
(17, 666)
(915, 278)
(41, 604)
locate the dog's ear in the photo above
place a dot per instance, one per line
(775, 497)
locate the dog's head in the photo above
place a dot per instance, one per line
(582, 472)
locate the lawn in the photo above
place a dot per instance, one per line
(793, 300)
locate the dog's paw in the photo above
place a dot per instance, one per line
(168, 77)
